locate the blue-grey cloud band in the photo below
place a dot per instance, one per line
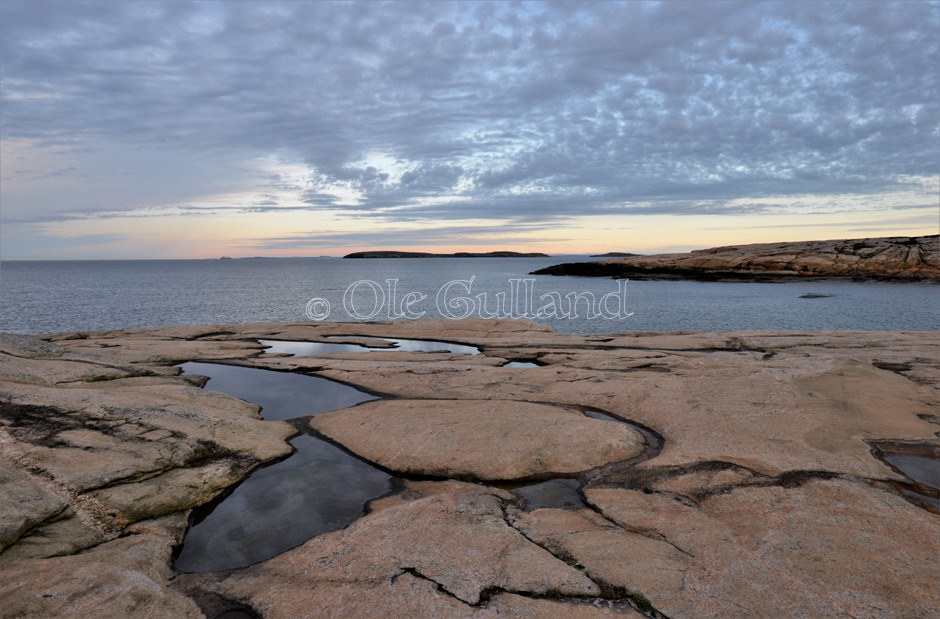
(479, 110)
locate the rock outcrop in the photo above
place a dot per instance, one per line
(93, 452)
(480, 439)
(893, 258)
(768, 497)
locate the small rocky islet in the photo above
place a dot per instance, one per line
(772, 493)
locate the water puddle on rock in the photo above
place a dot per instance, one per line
(430, 346)
(317, 489)
(923, 470)
(561, 493)
(281, 395)
(302, 349)
(320, 348)
(320, 487)
(920, 463)
(919, 468)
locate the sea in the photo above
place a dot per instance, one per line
(54, 296)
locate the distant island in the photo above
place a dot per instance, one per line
(460, 254)
(891, 258)
(614, 254)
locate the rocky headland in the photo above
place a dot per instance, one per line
(753, 479)
(893, 258)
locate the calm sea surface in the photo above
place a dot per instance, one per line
(50, 296)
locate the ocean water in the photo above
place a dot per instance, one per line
(52, 296)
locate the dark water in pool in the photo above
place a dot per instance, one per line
(559, 493)
(320, 348)
(281, 395)
(919, 468)
(318, 489)
(923, 470)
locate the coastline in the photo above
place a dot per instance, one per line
(899, 259)
(771, 445)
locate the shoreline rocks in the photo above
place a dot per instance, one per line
(768, 497)
(890, 259)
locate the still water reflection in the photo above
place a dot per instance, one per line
(281, 395)
(318, 489)
(320, 348)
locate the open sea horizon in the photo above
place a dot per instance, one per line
(89, 295)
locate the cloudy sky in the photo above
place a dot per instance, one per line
(136, 129)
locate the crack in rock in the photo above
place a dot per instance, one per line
(609, 592)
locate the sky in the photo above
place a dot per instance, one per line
(136, 129)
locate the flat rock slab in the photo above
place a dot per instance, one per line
(824, 548)
(23, 504)
(485, 439)
(436, 550)
(90, 444)
(609, 553)
(124, 577)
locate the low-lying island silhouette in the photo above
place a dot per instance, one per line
(460, 254)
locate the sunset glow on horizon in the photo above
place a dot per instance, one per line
(151, 130)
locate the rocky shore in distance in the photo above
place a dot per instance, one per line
(892, 258)
(769, 495)
(462, 254)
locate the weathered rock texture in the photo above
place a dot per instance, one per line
(767, 498)
(893, 258)
(487, 439)
(90, 445)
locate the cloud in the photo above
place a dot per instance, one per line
(42, 245)
(462, 110)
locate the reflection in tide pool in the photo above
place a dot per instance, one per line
(322, 348)
(429, 346)
(919, 468)
(281, 395)
(923, 470)
(302, 349)
(318, 489)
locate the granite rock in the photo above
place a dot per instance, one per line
(482, 439)
(768, 496)
(891, 258)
